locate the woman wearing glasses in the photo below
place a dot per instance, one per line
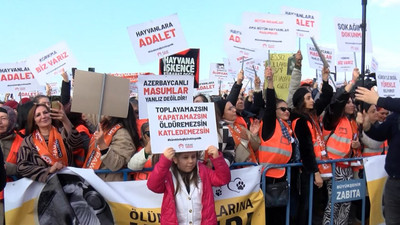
(277, 143)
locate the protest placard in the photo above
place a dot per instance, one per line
(182, 126)
(133, 78)
(388, 84)
(374, 65)
(344, 62)
(279, 65)
(349, 35)
(307, 21)
(218, 71)
(113, 100)
(163, 88)
(17, 78)
(315, 61)
(50, 63)
(157, 38)
(268, 31)
(183, 63)
(207, 87)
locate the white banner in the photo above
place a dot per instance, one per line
(17, 78)
(349, 35)
(157, 38)
(376, 178)
(315, 61)
(49, 64)
(79, 196)
(388, 84)
(267, 31)
(207, 87)
(307, 21)
(374, 65)
(163, 88)
(345, 62)
(184, 127)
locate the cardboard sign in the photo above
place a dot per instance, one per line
(349, 35)
(344, 62)
(51, 63)
(165, 88)
(207, 87)
(183, 63)
(133, 78)
(307, 21)
(279, 64)
(184, 127)
(157, 38)
(267, 31)
(88, 96)
(17, 78)
(388, 84)
(316, 62)
(218, 71)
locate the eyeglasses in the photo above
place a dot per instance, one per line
(147, 133)
(284, 109)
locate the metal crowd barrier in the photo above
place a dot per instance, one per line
(354, 185)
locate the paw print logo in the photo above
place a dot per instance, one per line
(236, 185)
(218, 192)
(240, 185)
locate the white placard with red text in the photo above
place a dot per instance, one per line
(182, 126)
(50, 63)
(218, 71)
(207, 87)
(388, 84)
(345, 62)
(349, 35)
(268, 31)
(307, 21)
(315, 61)
(157, 38)
(17, 78)
(374, 65)
(163, 88)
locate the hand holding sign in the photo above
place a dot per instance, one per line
(325, 73)
(299, 58)
(212, 151)
(240, 77)
(169, 153)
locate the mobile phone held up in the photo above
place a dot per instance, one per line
(55, 105)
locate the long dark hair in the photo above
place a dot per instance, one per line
(188, 178)
(128, 123)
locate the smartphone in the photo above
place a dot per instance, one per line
(55, 105)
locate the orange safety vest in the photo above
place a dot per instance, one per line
(12, 156)
(79, 153)
(145, 174)
(318, 145)
(240, 120)
(338, 143)
(276, 150)
(382, 150)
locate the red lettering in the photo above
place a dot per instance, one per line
(157, 37)
(234, 38)
(305, 23)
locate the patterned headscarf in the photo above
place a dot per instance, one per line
(12, 118)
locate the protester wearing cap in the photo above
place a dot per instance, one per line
(306, 125)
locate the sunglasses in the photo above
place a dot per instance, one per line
(147, 133)
(284, 109)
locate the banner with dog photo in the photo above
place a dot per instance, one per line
(79, 196)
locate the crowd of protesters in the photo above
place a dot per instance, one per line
(39, 137)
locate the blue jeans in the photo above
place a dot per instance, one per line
(391, 200)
